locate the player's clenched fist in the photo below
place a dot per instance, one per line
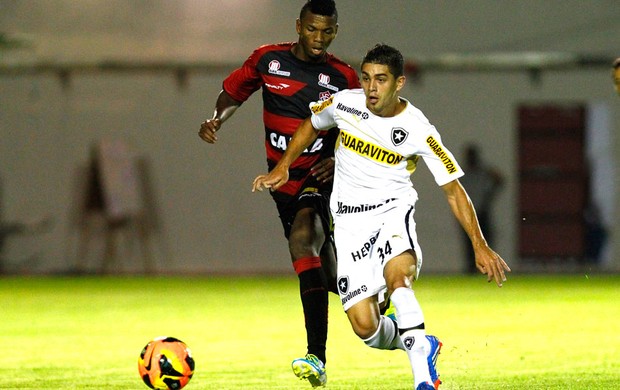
(208, 129)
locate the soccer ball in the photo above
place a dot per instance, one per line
(166, 363)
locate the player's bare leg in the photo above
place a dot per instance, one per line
(375, 330)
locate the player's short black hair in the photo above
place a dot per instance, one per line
(616, 63)
(386, 55)
(320, 7)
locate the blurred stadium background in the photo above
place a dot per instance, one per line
(140, 77)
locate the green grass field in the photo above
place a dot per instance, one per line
(537, 332)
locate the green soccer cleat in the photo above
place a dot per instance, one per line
(310, 368)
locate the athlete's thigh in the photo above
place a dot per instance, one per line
(311, 220)
(397, 240)
(307, 223)
(358, 276)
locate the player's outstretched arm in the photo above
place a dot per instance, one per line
(224, 108)
(303, 137)
(487, 260)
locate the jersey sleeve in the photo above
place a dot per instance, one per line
(439, 159)
(323, 114)
(246, 80)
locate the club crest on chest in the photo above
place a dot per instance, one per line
(399, 136)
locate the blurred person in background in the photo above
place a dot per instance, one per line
(616, 75)
(482, 182)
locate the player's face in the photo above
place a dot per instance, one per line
(381, 89)
(316, 33)
(617, 80)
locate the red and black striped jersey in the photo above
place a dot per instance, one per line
(289, 85)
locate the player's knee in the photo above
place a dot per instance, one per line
(399, 273)
(401, 281)
(299, 247)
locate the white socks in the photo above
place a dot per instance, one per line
(386, 336)
(412, 338)
(411, 327)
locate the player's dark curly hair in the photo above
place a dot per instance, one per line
(386, 55)
(320, 7)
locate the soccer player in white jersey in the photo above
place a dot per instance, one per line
(382, 135)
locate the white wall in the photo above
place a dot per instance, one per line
(209, 220)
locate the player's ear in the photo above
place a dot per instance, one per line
(400, 82)
(298, 26)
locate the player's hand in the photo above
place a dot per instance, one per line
(323, 171)
(490, 263)
(208, 129)
(273, 180)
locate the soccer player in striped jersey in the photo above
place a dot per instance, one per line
(291, 75)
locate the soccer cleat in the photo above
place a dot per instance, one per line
(425, 386)
(432, 360)
(311, 368)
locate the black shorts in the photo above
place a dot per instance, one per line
(310, 195)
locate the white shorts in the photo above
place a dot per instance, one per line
(365, 242)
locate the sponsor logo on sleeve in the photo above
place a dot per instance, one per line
(320, 106)
(443, 156)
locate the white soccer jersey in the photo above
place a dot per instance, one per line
(375, 156)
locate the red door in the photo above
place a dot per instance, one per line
(553, 181)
